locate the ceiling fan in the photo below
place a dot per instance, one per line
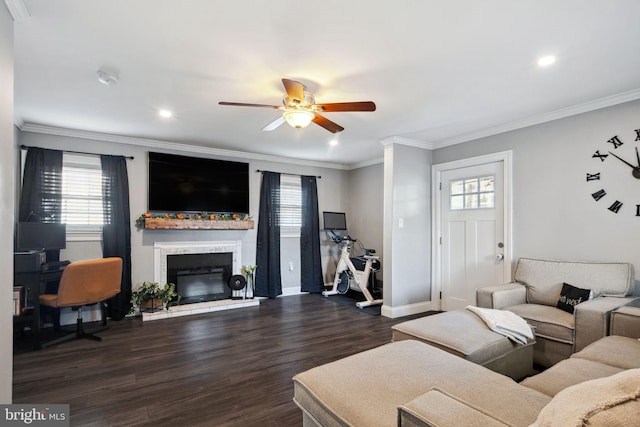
(299, 108)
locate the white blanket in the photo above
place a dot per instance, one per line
(505, 323)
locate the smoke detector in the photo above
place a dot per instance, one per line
(107, 79)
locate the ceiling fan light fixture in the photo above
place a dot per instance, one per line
(298, 118)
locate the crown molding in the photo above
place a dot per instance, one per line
(562, 113)
(366, 163)
(418, 143)
(157, 144)
(18, 10)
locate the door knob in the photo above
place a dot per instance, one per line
(499, 257)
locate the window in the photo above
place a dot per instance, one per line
(290, 204)
(472, 193)
(82, 207)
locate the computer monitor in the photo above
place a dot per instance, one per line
(40, 235)
(334, 220)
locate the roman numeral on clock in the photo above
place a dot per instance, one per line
(615, 207)
(593, 176)
(637, 210)
(637, 131)
(599, 194)
(597, 154)
(615, 141)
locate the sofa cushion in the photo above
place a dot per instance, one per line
(566, 373)
(570, 296)
(610, 401)
(544, 279)
(620, 352)
(439, 408)
(550, 322)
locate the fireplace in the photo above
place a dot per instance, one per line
(208, 255)
(211, 274)
(200, 277)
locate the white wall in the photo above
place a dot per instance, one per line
(365, 207)
(6, 202)
(555, 216)
(407, 230)
(331, 196)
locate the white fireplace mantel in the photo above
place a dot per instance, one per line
(162, 249)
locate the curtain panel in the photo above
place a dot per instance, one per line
(268, 274)
(116, 231)
(41, 193)
(310, 264)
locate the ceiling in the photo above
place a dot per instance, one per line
(440, 72)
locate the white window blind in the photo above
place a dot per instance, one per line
(82, 206)
(290, 203)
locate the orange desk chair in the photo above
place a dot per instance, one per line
(86, 283)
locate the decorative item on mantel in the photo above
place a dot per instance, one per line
(198, 221)
(150, 296)
(249, 289)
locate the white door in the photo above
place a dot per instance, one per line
(472, 231)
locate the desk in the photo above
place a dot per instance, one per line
(33, 281)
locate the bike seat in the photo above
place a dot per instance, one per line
(368, 251)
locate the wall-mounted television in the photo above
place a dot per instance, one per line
(196, 184)
(40, 235)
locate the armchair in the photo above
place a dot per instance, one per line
(536, 290)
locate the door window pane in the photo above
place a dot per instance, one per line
(472, 193)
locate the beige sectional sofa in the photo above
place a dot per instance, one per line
(536, 290)
(410, 383)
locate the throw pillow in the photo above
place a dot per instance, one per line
(570, 296)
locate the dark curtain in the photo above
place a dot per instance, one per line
(310, 265)
(41, 195)
(41, 201)
(268, 279)
(116, 231)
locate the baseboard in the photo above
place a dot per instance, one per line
(407, 310)
(292, 291)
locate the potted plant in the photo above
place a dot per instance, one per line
(150, 295)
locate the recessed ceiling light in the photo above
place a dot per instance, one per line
(545, 61)
(165, 113)
(107, 79)
(333, 142)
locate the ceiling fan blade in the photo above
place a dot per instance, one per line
(347, 106)
(327, 124)
(295, 90)
(242, 104)
(274, 124)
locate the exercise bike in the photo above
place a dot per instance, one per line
(348, 276)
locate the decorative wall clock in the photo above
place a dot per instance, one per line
(617, 161)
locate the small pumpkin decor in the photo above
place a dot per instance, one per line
(150, 296)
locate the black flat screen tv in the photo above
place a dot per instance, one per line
(195, 184)
(40, 235)
(334, 220)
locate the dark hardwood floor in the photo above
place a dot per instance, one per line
(228, 368)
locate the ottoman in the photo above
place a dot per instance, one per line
(367, 388)
(462, 333)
